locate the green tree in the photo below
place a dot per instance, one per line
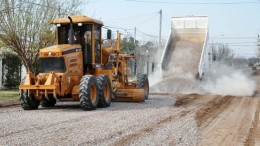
(25, 25)
(11, 69)
(148, 45)
(129, 45)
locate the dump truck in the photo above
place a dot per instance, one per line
(188, 37)
(79, 68)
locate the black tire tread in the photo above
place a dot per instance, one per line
(141, 79)
(49, 103)
(27, 102)
(102, 80)
(84, 92)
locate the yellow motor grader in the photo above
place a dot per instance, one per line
(78, 68)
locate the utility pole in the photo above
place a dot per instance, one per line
(133, 62)
(160, 29)
(135, 36)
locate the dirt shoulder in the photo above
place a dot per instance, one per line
(228, 121)
(8, 103)
(9, 97)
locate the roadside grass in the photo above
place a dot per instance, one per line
(9, 95)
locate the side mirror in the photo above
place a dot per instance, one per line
(109, 33)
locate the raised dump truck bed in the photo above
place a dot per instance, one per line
(186, 45)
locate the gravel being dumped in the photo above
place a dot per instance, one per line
(180, 77)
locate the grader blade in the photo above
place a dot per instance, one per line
(132, 95)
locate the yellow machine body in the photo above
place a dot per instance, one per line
(63, 65)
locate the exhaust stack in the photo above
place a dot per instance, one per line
(71, 32)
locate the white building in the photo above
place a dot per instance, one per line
(1, 75)
(23, 70)
(1, 69)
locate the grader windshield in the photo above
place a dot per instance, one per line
(52, 64)
(79, 32)
(87, 35)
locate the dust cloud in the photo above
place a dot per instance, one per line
(220, 80)
(224, 80)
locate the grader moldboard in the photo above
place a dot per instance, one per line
(78, 68)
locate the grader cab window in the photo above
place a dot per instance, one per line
(97, 44)
(87, 44)
(63, 34)
(83, 36)
(52, 64)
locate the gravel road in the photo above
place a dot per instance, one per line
(154, 122)
(192, 119)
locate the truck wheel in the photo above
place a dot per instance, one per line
(49, 103)
(88, 92)
(104, 90)
(142, 82)
(28, 102)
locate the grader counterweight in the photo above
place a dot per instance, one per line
(78, 68)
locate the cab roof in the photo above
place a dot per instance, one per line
(76, 19)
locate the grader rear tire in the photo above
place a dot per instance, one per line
(104, 90)
(142, 82)
(88, 92)
(28, 102)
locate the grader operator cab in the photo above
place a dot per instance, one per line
(78, 68)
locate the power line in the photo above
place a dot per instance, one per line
(199, 3)
(236, 43)
(242, 43)
(125, 29)
(90, 2)
(146, 33)
(146, 20)
(116, 27)
(214, 38)
(164, 19)
(129, 18)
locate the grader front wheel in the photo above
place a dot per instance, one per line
(28, 102)
(88, 92)
(50, 102)
(105, 90)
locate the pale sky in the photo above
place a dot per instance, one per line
(236, 23)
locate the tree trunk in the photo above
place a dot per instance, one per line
(27, 65)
